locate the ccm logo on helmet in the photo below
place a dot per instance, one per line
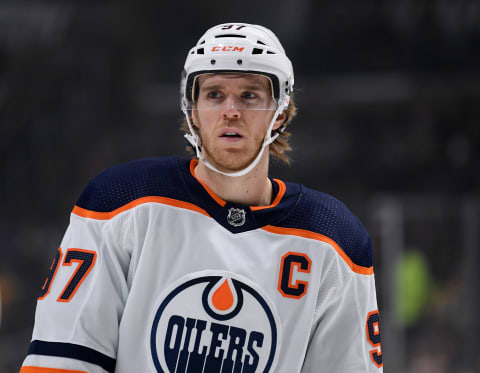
(227, 48)
(204, 325)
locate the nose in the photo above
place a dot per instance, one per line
(230, 110)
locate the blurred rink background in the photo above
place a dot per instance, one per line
(389, 122)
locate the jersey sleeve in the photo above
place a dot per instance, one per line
(81, 302)
(346, 334)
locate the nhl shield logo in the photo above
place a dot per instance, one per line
(204, 324)
(236, 217)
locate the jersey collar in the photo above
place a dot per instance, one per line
(279, 189)
(235, 217)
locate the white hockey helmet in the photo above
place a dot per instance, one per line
(237, 47)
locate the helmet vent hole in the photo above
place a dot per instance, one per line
(200, 51)
(260, 42)
(257, 51)
(239, 62)
(230, 36)
(270, 52)
(213, 62)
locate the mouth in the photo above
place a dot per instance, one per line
(231, 134)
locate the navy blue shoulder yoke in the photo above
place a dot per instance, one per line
(321, 213)
(121, 184)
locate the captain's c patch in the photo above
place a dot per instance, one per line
(290, 264)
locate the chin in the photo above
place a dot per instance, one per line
(230, 166)
(231, 161)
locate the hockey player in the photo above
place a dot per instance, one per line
(209, 265)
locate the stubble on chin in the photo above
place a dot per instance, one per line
(228, 161)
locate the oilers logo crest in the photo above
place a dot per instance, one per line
(211, 322)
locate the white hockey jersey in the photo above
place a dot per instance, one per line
(158, 274)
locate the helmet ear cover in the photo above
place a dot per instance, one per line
(191, 88)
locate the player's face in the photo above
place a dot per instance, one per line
(233, 114)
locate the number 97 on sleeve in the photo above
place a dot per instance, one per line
(85, 260)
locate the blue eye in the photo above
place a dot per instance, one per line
(249, 94)
(214, 94)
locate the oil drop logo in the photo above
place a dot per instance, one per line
(214, 321)
(222, 298)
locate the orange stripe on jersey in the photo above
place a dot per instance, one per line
(77, 210)
(320, 237)
(193, 164)
(281, 192)
(31, 369)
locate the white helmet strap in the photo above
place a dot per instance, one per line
(194, 139)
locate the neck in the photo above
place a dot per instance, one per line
(252, 189)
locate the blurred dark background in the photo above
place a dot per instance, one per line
(389, 122)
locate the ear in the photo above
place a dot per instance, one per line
(282, 117)
(195, 119)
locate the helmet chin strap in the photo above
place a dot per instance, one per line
(194, 139)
